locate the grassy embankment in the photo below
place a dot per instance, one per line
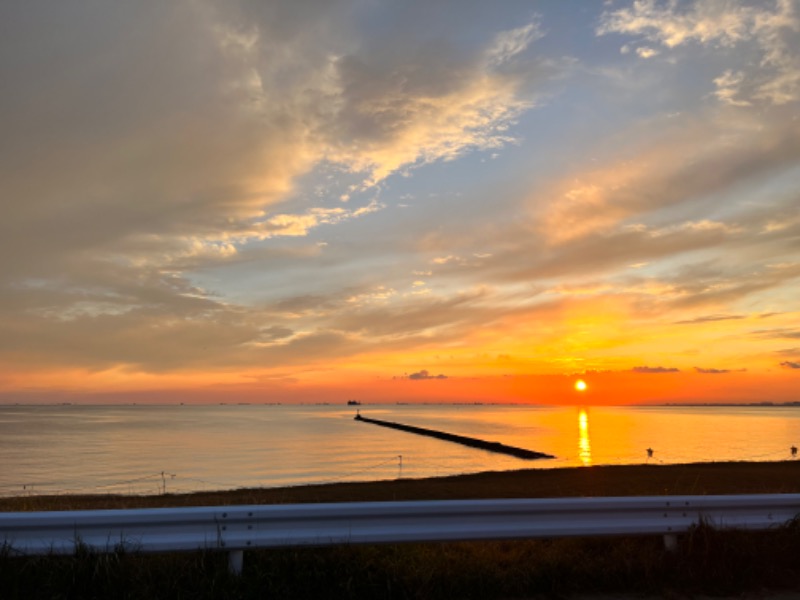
(707, 561)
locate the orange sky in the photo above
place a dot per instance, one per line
(392, 203)
(603, 388)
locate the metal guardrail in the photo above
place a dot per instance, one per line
(237, 528)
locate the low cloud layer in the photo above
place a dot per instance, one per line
(422, 375)
(655, 370)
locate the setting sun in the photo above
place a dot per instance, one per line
(580, 385)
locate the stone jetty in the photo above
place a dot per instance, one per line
(459, 439)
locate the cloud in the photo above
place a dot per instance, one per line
(729, 87)
(645, 52)
(777, 334)
(633, 210)
(709, 319)
(601, 251)
(704, 21)
(771, 27)
(509, 44)
(162, 153)
(728, 286)
(175, 177)
(790, 365)
(420, 316)
(712, 371)
(655, 370)
(200, 158)
(421, 375)
(276, 332)
(788, 351)
(149, 146)
(684, 161)
(299, 225)
(409, 108)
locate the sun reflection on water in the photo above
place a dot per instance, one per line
(584, 445)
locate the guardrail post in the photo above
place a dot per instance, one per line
(670, 542)
(235, 561)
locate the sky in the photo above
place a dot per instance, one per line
(457, 201)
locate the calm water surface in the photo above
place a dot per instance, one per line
(150, 449)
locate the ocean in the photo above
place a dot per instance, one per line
(145, 449)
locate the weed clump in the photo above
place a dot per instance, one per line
(707, 561)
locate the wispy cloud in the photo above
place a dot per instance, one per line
(771, 26)
(649, 370)
(645, 52)
(508, 44)
(777, 334)
(789, 352)
(392, 113)
(712, 371)
(709, 319)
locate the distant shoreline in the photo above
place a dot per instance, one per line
(793, 404)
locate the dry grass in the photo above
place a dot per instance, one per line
(628, 480)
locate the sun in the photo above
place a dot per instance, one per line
(580, 385)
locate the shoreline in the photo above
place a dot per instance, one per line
(607, 480)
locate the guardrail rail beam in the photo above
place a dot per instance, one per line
(238, 528)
